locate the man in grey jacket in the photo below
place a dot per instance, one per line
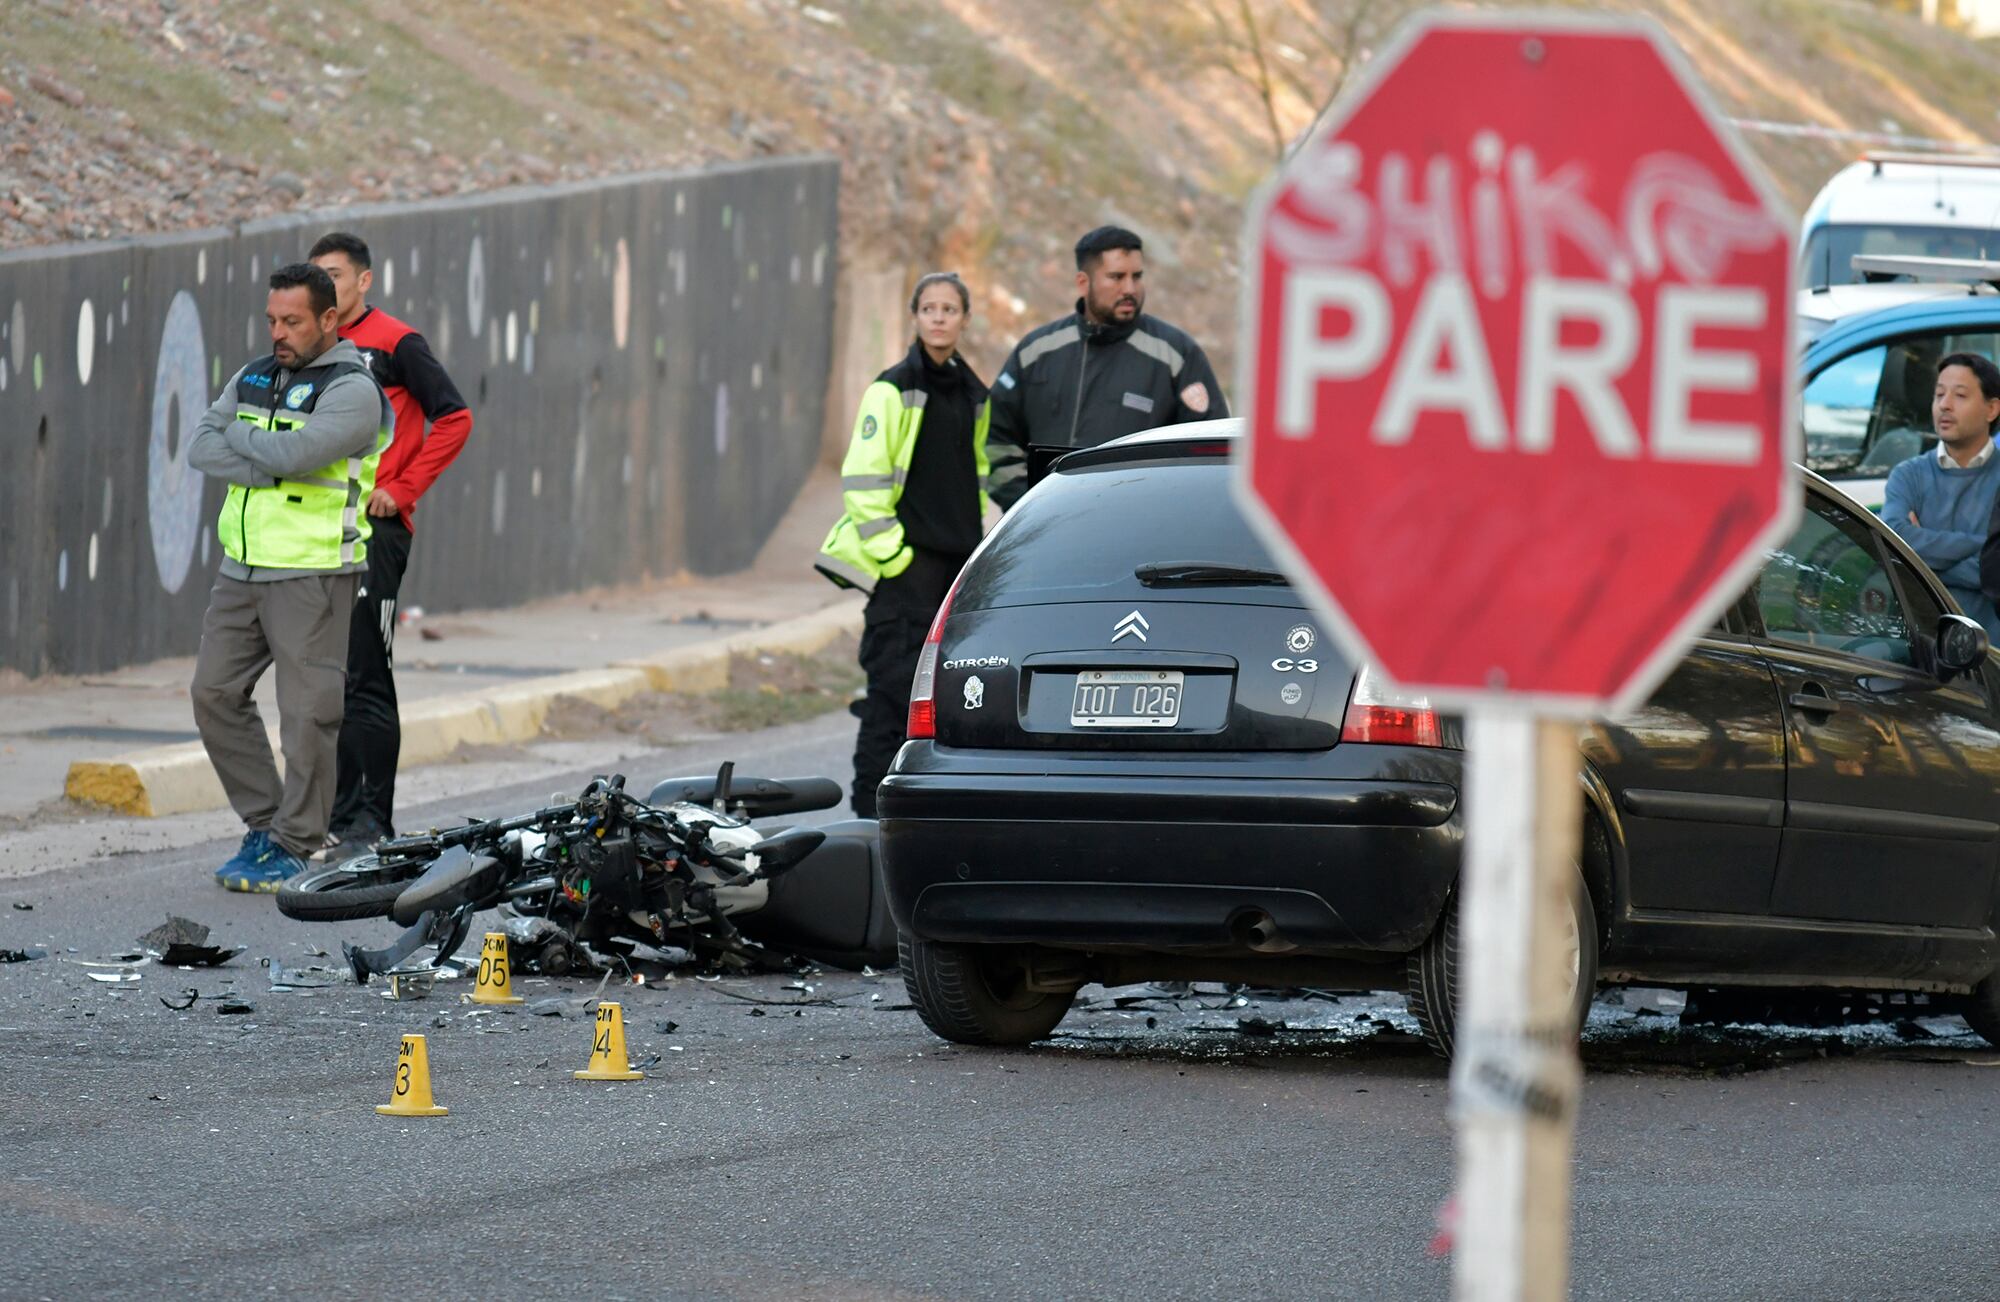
(1106, 370)
(296, 436)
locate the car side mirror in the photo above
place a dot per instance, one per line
(1961, 644)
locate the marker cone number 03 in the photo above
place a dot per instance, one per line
(411, 1096)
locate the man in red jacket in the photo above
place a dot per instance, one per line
(371, 735)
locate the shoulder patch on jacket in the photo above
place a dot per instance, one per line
(868, 427)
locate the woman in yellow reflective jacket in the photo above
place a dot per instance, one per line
(914, 484)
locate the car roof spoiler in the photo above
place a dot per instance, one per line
(1207, 438)
(1878, 267)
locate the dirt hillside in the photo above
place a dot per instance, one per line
(981, 135)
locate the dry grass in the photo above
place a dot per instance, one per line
(982, 134)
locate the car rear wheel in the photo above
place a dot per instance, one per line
(977, 994)
(1982, 1009)
(1433, 971)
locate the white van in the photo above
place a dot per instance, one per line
(1920, 205)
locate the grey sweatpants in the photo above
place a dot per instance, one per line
(300, 625)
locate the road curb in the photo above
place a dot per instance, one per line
(164, 780)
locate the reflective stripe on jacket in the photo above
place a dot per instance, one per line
(866, 544)
(313, 521)
(1075, 383)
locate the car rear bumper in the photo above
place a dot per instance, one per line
(1197, 863)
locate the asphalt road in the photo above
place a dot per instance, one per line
(1149, 1151)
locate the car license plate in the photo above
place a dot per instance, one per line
(1126, 698)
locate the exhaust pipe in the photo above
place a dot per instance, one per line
(1255, 929)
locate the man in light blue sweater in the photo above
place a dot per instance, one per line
(1941, 501)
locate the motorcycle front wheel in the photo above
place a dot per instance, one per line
(358, 888)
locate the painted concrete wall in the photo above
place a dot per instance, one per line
(646, 361)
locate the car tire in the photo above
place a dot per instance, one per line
(963, 993)
(1432, 973)
(339, 894)
(1981, 1009)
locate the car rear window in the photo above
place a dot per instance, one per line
(1081, 534)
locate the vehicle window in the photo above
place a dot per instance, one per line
(1828, 588)
(1920, 607)
(1844, 439)
(1081, 535)
(1837, 403)
(1828, 258)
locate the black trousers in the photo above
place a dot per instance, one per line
(371, 734)
(899, 614)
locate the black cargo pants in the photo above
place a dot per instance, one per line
(899, 614)
(371, 732)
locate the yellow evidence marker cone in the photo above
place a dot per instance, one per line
(495, 984)
(413, 1083)
(607, 1048)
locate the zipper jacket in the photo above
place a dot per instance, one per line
(1074, 383)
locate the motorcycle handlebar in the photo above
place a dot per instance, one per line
(472, 833)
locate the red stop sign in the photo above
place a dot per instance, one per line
(1516, 331)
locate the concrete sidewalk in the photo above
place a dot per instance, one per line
(126, 740)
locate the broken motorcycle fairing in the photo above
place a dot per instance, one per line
(609, 871)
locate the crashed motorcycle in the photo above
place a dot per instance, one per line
(583, 882)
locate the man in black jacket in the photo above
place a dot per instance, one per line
(1103, 371)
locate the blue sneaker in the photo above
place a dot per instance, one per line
(256, 843)
(260, 865)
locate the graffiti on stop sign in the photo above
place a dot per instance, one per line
(1517, 363)
(1576, 334)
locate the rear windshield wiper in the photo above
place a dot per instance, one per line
(1166, 574)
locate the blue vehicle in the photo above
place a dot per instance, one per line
(1866, 381)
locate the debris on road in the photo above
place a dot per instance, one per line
(192, 994)
(234, 1007)
(819, 1002)
(123, 978)
(311, 977)
(406, 986)
(22, 955)
(182, 942)
(23, 906)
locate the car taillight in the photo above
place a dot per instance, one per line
(923, 689)
(1377, 712)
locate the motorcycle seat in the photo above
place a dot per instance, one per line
(753, 797)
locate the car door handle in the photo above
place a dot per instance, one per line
(1814, 701)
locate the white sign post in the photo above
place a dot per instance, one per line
(1515, 1078)
(1521, 409)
